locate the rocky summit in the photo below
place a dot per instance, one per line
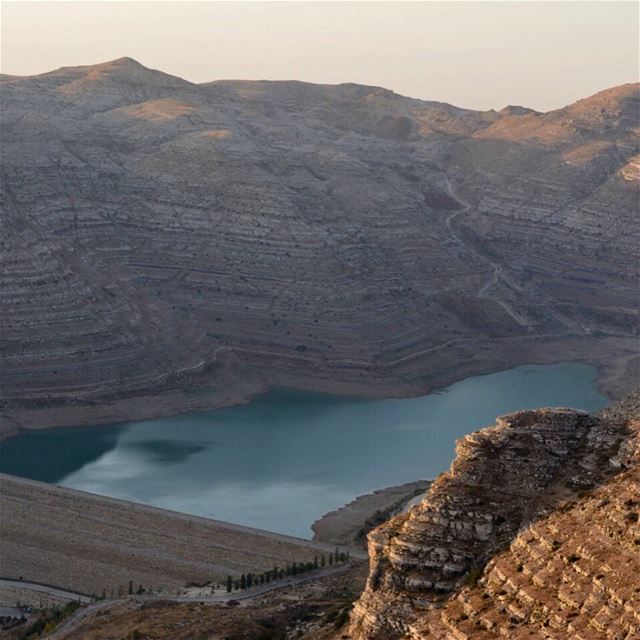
(168, 245)
(533, 533)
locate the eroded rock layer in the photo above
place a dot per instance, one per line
(167, 245)
(532, 533)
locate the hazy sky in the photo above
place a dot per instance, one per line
(473, 54)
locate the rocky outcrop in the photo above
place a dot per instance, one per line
(350, 524)
(557, 488)
(167, 245)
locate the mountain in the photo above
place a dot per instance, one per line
(532, 533)
(168, 245)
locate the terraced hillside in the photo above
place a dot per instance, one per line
(557, 582)
(167, 245)
(533, 533)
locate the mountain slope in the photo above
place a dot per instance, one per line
(167, 245)
(538, 517)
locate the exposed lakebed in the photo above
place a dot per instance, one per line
(282, 461)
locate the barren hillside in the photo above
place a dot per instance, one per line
(533, 533)
(167, 245)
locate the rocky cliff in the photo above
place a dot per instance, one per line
(167, 245)
(533, 532)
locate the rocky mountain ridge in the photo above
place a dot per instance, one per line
(167, 246)
(532, 533)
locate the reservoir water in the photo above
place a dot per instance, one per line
(287, 458)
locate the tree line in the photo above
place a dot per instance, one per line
(248, 580)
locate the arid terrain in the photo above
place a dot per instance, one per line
(314, 611)
(348, 525)
(168, 246)
(88, 543)
(533, 533)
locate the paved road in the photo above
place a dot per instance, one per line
(44, 588)
(77, 617)
(247, 594)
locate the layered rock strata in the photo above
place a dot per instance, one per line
(168, 245)
(560, 490)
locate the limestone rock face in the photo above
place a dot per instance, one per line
(560, 491)
(166, 245)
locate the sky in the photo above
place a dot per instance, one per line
(478, 55)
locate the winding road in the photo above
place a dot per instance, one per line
(246, 595)
(497, 273)
(57, 592)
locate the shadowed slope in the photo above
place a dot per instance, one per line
(167, 245)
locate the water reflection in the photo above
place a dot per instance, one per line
(282, 461)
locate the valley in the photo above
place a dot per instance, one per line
(288, 458)
(233, 312)
(170, 246)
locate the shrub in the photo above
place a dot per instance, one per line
(473, 576)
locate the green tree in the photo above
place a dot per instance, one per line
(130, 591)
(229, 584)
(249, 580)
(243, 581)
(315, 561)
(323, 560)
(330, 559)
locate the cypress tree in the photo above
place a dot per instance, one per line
(130, 591)
(229, 584)
(330, 559)
(249, 580)
(315, 561)
(323, 561)
(243, 581)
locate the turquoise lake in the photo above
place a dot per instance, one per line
(287, 458)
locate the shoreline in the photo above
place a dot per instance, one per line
(349, 524)
(617, 363)
(85, 542)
